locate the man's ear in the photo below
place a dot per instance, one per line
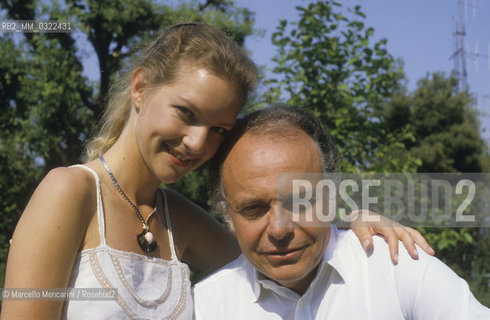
(139, 83)
(229, 222)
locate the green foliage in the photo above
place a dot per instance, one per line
(328, 63)
(194, 185)
(480, 267)
(446, 127)
(17, 172)
(447, 140)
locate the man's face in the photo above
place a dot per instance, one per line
(280, 249)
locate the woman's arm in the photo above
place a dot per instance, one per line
(46, 241)
(210, 246)
(202, 240)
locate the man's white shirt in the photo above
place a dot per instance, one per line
(349, 285)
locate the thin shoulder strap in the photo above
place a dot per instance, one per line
(100, 208)
(169, 226)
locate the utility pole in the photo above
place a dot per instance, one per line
(459, 54)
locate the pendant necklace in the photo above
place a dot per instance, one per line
(145, 238)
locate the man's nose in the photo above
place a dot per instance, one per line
(280, 223)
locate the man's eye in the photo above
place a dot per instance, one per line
(288, 203)
(254, 211)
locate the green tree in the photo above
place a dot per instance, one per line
(17, 171)
(447, 139)
(328, 63)
(49, 106)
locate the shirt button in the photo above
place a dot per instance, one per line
(301, 303)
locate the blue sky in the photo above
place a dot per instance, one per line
(418, 32)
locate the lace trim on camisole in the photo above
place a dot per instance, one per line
(177, 271)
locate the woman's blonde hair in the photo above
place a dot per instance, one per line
(198, 44)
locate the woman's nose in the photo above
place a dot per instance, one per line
(195, 139)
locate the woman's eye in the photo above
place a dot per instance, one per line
(185, 112)
(219, 130)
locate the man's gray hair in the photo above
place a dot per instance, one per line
(272, 122)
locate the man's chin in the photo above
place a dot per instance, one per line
(286, 275)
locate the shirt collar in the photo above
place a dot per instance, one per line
(332, 255)
(255, 282)
(330, 258)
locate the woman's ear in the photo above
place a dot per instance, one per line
(138, 86)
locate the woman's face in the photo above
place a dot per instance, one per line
(179, 126)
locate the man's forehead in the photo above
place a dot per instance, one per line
(257, 144)
(255, 158)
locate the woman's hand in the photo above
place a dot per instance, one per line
(369, 223)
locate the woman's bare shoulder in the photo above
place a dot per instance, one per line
(65, 197)
(68, 179)
(49, 233)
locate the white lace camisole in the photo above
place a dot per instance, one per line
(147, 287)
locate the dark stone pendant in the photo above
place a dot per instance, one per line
(143, 242)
